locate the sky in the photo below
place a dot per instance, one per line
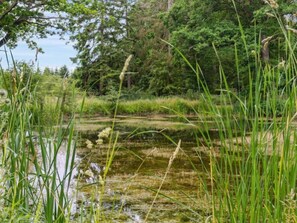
(56, 53)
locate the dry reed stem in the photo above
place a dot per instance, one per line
(127, 62)
(172, 158)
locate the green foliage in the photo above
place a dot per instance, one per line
(105, 32)
(27, 19)
(99, 38)
(206, 31)
(5, 104)
(153, 64)
(50, 94)
(63, 72)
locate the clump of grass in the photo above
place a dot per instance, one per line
(166, 105)
(34, 188)
(93, 105)
(253, 165)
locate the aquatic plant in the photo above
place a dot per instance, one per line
(35, 184)
(253, 167)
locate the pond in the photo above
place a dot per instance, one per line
(140, 168)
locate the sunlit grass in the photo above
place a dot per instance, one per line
(166, 105)
(253, 169)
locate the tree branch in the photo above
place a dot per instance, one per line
(5, 39)
(8, 10)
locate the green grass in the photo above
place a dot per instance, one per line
(34, 189)
(253, 173)
(166, 105)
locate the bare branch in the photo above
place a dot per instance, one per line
(43, 18)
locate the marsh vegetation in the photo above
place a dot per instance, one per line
(205, 133)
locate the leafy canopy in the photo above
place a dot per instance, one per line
(28, 19)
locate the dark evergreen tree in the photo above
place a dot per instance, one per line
(217, 35)
(98, 36)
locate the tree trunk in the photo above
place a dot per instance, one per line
(128, 35)
(101, 85)
(169, 6)
(101, 30)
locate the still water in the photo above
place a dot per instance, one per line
(140, 168)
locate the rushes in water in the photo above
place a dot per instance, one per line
(108, 134)
(35, 190)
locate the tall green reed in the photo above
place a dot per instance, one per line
(38, 160)
(253, 164)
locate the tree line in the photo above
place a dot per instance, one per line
(215, 36)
